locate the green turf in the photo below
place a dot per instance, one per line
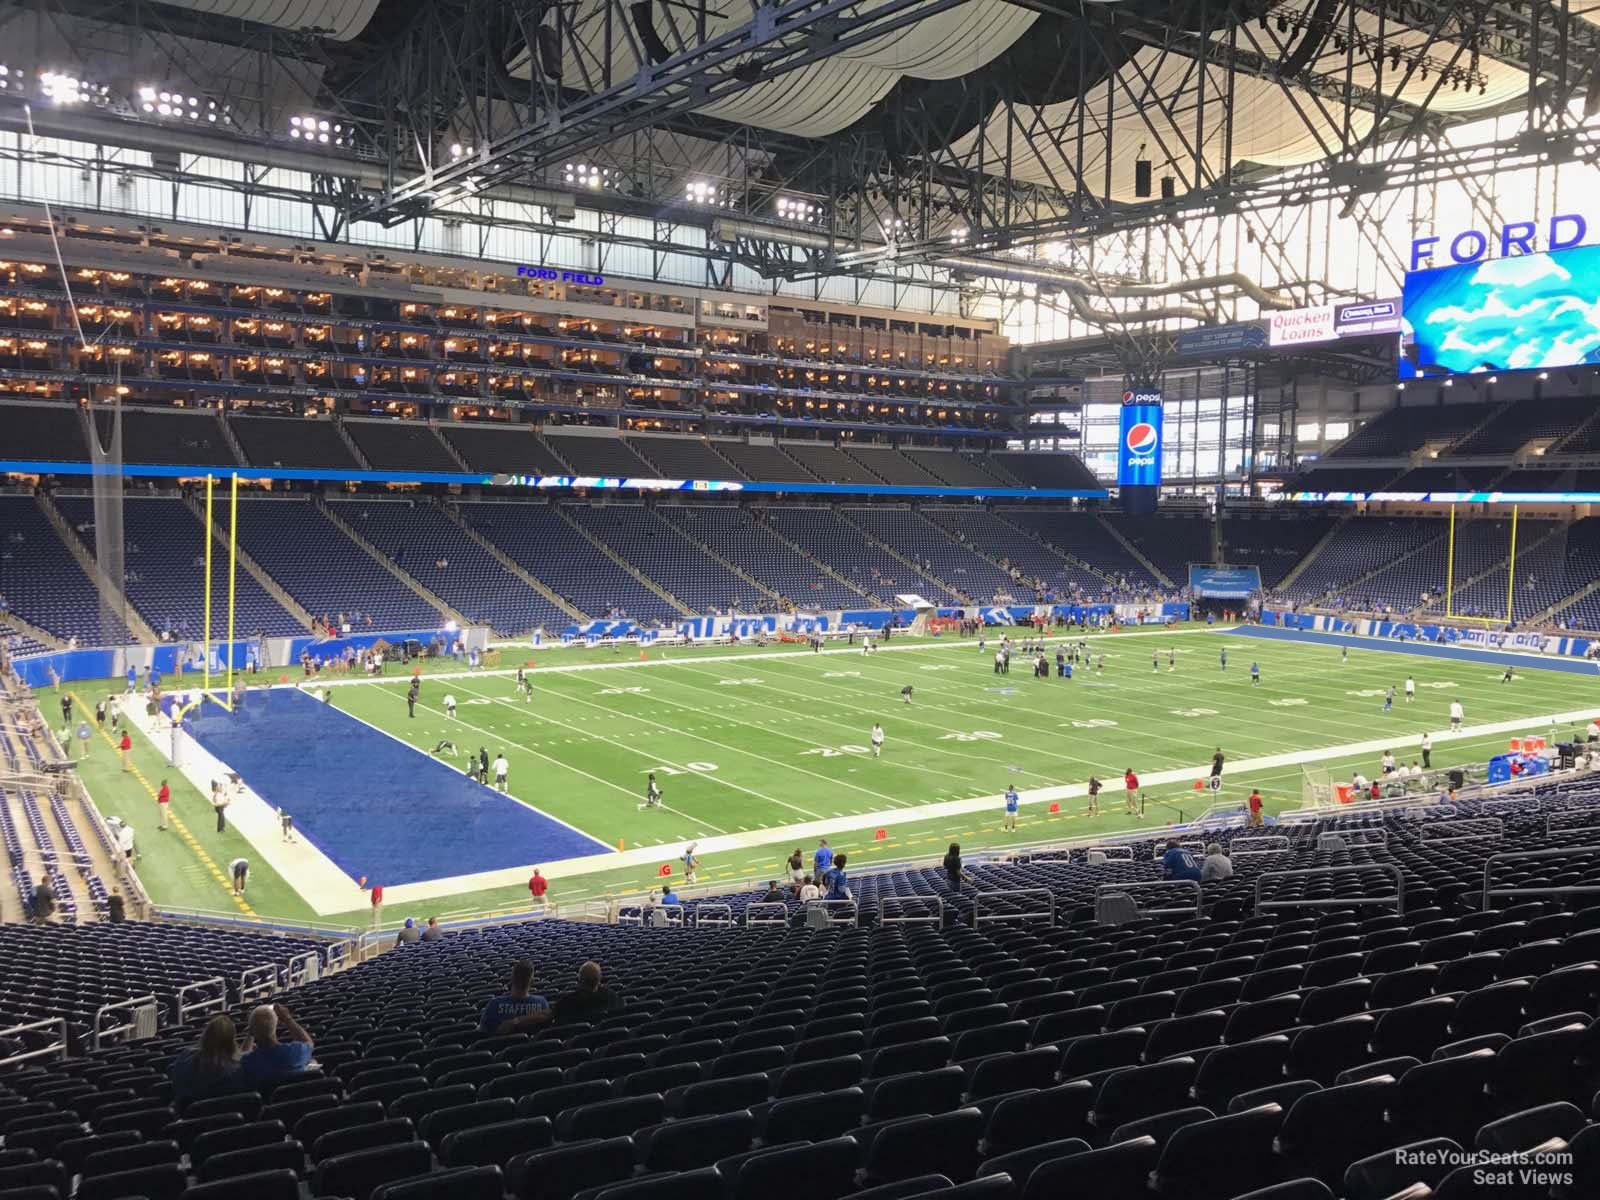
(771, 740)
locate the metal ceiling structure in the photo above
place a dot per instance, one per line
(994, 150)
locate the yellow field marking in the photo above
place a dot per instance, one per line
(198, 850)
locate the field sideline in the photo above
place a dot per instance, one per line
(746, 742)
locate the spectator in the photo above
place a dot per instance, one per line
(44, 903)
(838, 881)
(809, 890)
(517, 1009)
(210, 1068)
(1216, 864)
(952, 867)
(774, 895)
(1178, 863)
(668, 896)
(272, 1057)
(591, 998)
(116, 909)
(408, 933)
(433, 932)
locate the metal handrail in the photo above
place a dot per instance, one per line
(58, 1050)
(1358, 835)
(1160, 848)
(764, 913)
(1458, 831)
(213, 995)
(714, 916)
(1490, 893)
(1108, 889)
(338, 955)
(634, 914)
(145, 1011)
(980, 918)
(302, 968)
(1418, 811)
(1113, 853)
(902, 904)
(840, 912)
(1249, 845)
(1590, 820)
(1398, 899)
(258, 982)
(1272, 852)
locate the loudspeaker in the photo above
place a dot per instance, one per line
(1141, 178)
(547, 42)
(1169, 188)
(644, 25)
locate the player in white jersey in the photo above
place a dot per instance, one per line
(877, 741)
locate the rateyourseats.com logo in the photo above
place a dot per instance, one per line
(1541, 1169)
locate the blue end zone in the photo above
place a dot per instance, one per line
(372, 804)
(1498, 658)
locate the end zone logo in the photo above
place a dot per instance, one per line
(1141, 441)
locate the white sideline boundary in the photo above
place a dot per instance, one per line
(805, 831)
(1144, 631)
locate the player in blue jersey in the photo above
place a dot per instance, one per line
(1012, 802)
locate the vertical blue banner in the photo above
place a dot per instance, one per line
(1139, 446)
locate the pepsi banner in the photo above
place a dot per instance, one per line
(1139, 450)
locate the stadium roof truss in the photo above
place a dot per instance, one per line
(1102, 156)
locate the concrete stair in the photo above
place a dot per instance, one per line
(110, 591)
(627, 566)
(383, 560)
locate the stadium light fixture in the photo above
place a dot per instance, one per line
(176, 104)
(798, 210)
(321, 130)
(587, 175)
(699, 191)
(61, 88)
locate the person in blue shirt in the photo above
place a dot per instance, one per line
(155, 679)
(1255, 674)
(518, 1008)
(1178, 863)
(838, 882)
(133, 679)
(1010, 823)
(278, 1045)
(209, 1069)
(668, 896)
(822, 860)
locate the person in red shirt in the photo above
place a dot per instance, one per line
(1255, 806)
(377, 905)
(163, 798)
(537, 887)
(125, 748)
(1131, 782)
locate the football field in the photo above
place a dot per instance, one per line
(757, 751)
